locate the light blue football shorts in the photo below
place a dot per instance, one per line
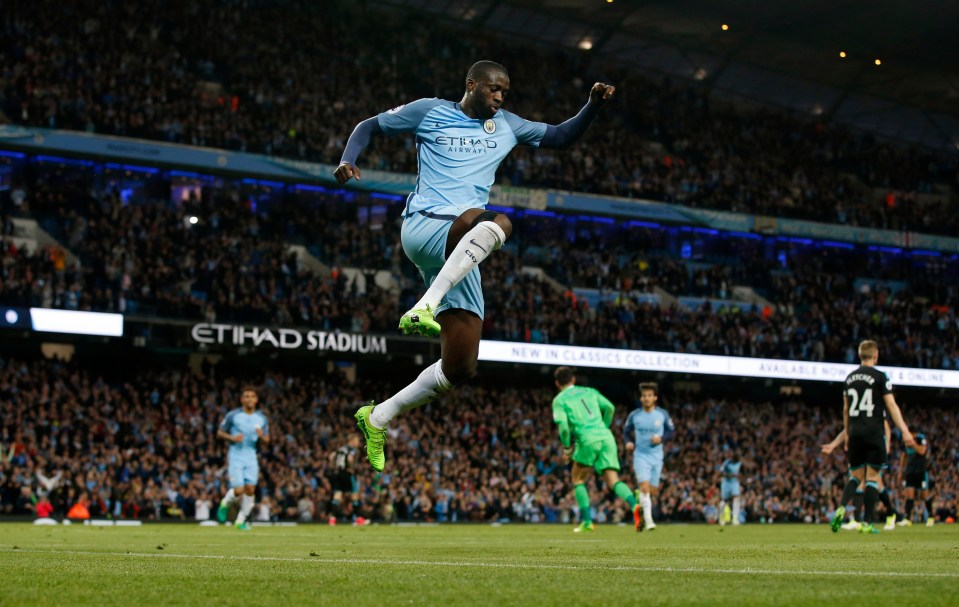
(242, 472)
(648, 469)
(424, 241)
(728, 490)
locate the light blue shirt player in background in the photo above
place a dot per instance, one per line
(647, 428)
(729, 490)
(243, 428)
(447, 232)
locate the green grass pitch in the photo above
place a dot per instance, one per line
(476, 565)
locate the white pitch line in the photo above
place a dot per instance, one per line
(353, 561)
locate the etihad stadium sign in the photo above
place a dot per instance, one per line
(287, 339)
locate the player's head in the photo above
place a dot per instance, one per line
(249, 397)
(487, 84)
(564, 376)
(648, 394)
(868, 351)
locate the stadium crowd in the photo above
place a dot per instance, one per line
(156, 72)
(235, 265)
(145, 447)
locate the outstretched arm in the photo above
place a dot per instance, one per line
(403, 119)
(359, 139)
(566, 134)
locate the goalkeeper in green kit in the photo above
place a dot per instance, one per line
(585, 414)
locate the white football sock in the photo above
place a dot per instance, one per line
(427, 386)
(246, 505)
(737, 506)
(722, 509)
(647, 502)
(228, 499)
(470, 251)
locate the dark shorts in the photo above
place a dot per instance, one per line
(343, 481)
(916, 480)
(867, 451)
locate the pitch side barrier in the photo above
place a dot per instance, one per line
(69, 322)
(701, 364)
(111, 325)
(345, 343)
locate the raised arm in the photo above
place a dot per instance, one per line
(563, 135)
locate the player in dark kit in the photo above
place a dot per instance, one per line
(343, 461)
(865, 439)
(914, 472)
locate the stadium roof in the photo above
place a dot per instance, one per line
(782, 53)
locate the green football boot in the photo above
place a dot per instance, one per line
(375, 438)
(586, 527)
(244, 526)
(868, 528)
(837, 519)
(222, 511)
(420, 321)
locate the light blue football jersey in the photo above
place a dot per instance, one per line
(457, 155)
(238, 422)
(730, 470)
(642, 426)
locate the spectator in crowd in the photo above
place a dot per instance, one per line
(127, 456)
(669, 142)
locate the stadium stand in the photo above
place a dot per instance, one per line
(664, 141)
(145, 448)
(585, 281)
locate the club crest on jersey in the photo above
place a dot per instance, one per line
(489, 126)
